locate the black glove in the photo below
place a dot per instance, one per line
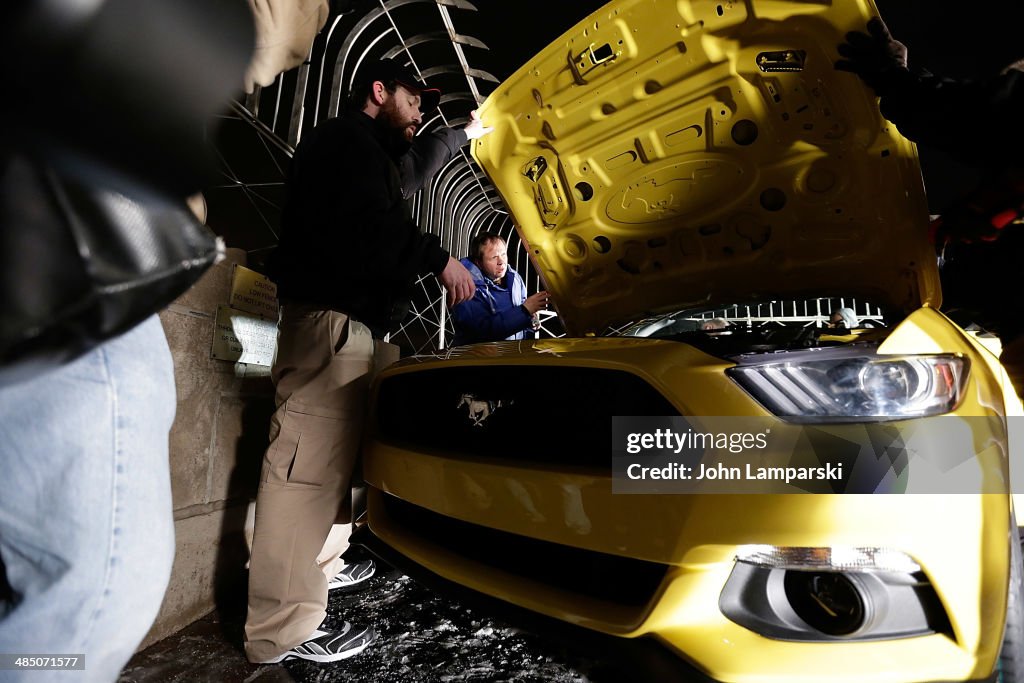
(878, 58)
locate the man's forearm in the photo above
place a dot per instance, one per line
(428, 154)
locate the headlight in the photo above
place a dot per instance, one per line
(861, 387)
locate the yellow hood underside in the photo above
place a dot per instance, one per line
(663, 154)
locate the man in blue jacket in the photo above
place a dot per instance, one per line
(500, 308)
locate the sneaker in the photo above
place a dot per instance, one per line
(330, 646)
(352, 574)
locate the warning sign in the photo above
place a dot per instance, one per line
(253, 293)
(243, 337)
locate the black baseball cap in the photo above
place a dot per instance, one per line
(387, 70)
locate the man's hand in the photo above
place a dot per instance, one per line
(537, 302)
(457, 281)
(476, 128)
(875, 56)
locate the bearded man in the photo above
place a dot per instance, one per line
(345, 268)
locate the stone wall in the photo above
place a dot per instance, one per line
(217, 444)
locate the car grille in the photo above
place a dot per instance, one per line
(622, 581)
(541, 413)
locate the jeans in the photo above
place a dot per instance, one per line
(86, 525)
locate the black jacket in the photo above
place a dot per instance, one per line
(348, 241)
(979, 123)
(950, 115)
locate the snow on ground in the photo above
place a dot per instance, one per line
(427, 638)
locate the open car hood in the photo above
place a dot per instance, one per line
(664, 154)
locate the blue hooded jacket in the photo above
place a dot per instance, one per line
(495, 312)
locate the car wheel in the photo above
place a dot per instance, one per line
(1011, 656)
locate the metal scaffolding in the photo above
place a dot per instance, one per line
(456, 204)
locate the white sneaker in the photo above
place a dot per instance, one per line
(352, 574)
(330, 646)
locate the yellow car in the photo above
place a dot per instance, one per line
(674, 163)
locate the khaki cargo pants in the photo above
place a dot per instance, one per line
(325, 361)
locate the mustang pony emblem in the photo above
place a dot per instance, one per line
(479, 410)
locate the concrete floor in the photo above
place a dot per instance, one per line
(208, 651)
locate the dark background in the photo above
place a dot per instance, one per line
(957, 40)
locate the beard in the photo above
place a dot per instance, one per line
(398, 130)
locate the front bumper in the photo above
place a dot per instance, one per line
(675, 555)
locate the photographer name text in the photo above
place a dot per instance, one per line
(720, 471)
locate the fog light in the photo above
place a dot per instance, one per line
(822, 593)
(827, 601)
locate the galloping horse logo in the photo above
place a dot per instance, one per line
(479, 410)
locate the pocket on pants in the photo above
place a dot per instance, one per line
(311, 450)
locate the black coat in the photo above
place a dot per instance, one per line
(976, 122)
(348, 242)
